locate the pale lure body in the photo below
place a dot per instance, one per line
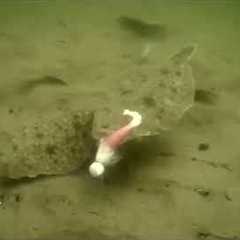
(105, 155)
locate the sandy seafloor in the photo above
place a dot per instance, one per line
(182, 184)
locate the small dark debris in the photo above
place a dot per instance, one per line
(93, 213)
(85, 134)
(211, 235)
(35, 228)
(105, 126)
(149, 101)
(202, 235)
(18, 197)
(205, 97)
(202, 191)
(203, 146)
(62, 24)
(227, 197)
(10, 111)
(140, 189)
(166, 154)
(60, 41)
(126, 91)
(15, 147)
(167, 185)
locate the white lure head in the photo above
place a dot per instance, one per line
(103, 158)
(96, 169)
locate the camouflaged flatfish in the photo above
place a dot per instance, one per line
(51, 145)
(161, 93)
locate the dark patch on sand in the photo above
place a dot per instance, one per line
(205, 96)
(142, 28)
(30, 85)
(203, 146)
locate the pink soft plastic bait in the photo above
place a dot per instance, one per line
(108, 145)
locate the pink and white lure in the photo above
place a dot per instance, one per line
(105, 155)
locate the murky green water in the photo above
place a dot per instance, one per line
(181, 183)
